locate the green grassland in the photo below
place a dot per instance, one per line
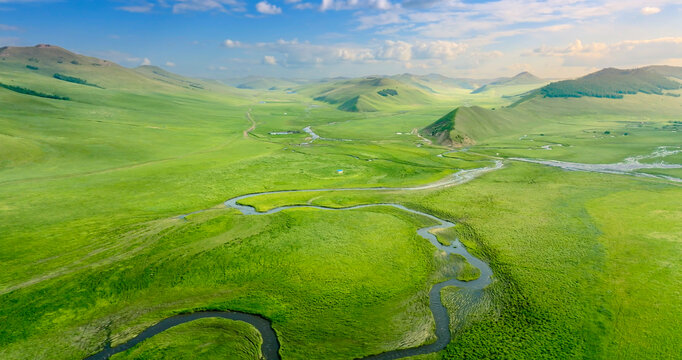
(605, 130)
(204, 338)
(558, 259)
(92, 247)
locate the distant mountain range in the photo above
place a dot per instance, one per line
(524, 78)
(614, 83)
(364, 94)
(603, 92)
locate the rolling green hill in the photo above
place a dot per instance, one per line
(467, 125)
(159, 74)
(522, 82)
(614, 83)
(264, 83)
(69, 72)
(438, 83)
(368, 94)
(49, 60)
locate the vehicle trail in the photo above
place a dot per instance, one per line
(253, 124)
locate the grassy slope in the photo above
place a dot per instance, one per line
(614, 83)
(558, 117)
(361, 95)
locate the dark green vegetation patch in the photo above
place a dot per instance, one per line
(25, 91)
(73, 79)
(388, 92)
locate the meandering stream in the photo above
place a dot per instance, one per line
(629, 166)
(270, 346)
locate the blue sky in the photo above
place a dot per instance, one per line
(311, 39)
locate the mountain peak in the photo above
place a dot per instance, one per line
(525, 75)
(38, 52)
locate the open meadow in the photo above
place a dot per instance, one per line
(114, 217)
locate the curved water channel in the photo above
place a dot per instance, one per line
(629, 166)
(270, 346)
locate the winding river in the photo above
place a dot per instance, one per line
(629, 166)
(270, 346)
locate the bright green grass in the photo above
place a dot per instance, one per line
(90, 190)
(642, 233)
(553, 296)
(203, 338)
(445, 236)
(315, 280)
(596, 133)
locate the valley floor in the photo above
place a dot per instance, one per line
(94, 251)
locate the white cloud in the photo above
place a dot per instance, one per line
(355, 4)
(386, 18)
(349, 54)
(304, 6)
(440, 49)
(146, 61)
(650, 10)
(140, 8)
(404, 51)
(624, 53)
(181, 6)
(397, 50)
(170, 64)
(455, 19)
(232, 43)
(269, 60)
(265, 7)
(420, 54)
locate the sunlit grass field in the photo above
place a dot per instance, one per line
(585, 265)
(204, 338)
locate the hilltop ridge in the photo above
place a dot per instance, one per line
(592, 93)
(614, 83)
(28, 66)
(523, 78)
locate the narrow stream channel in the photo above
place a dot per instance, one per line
(270, 347)
(629, 166)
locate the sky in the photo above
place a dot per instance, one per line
(328, 38)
